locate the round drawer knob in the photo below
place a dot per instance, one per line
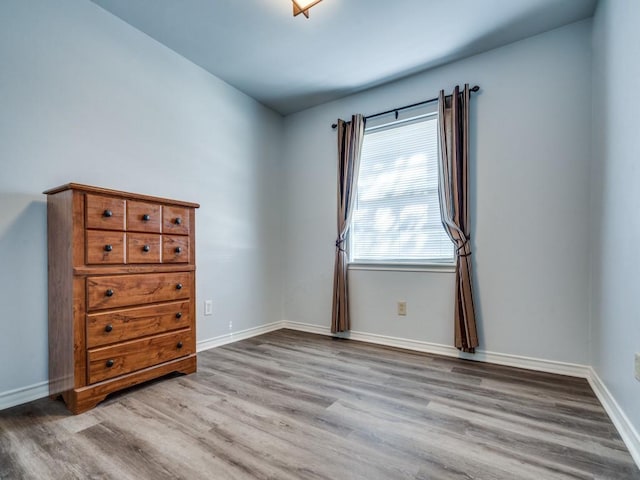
(179, 286)
(109, 293)
(108, 248)
(179, 345)
(107, 213)
(178, 250)
(110, 363)
(179, 315)
(178, 221)
(108, 328)
(146, 248)
(146, 217)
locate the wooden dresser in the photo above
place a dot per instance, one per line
(121, 291)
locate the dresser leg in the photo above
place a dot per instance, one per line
(81, 401)
(191, 367)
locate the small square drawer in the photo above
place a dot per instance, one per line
(143, 248)
(143, 217)
(105, 213)
(175, 249)
(104, 247)
(175, 220)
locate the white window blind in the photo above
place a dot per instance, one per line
(397, 211)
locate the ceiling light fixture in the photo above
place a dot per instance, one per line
(303, 6)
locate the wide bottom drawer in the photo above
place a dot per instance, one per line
(110, 362)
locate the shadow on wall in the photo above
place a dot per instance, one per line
(474, 118)
(23, 290)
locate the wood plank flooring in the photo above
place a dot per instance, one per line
(290, 405)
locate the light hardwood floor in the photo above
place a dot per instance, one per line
(291, 405)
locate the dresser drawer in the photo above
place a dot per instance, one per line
(109, 362)
(143, 248)
(175, 249)
(121, 325)
(122, 290)
(104, 212)
(104, 247)
(143, 217)
(175, 221)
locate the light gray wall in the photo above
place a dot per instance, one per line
(84, 97)
(615, 307)
(530, 150)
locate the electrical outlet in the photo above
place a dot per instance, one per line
(638, 366)
(402, 309)
(208, 307)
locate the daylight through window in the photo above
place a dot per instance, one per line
(397, 213)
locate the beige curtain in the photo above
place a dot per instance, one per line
(454, 207)
(350, 136)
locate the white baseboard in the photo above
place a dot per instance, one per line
(622, 423)
(549, 366)
(237, 336)
(310, 328)
(22, 395)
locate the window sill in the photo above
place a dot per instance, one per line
(405, 267)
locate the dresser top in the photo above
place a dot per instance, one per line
(118, 193)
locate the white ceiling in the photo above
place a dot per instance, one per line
(290, 64)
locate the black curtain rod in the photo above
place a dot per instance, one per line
(396, 110)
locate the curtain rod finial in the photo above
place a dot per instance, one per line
(475, 88)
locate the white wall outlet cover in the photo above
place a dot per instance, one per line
(208, 307)
(638, 366)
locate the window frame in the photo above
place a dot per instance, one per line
(432, 265)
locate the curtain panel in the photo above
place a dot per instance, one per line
(350, 137)
(453, 193)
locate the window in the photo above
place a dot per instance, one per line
(396, 218)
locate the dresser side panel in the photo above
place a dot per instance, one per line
(192, 261)
(61, 315)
